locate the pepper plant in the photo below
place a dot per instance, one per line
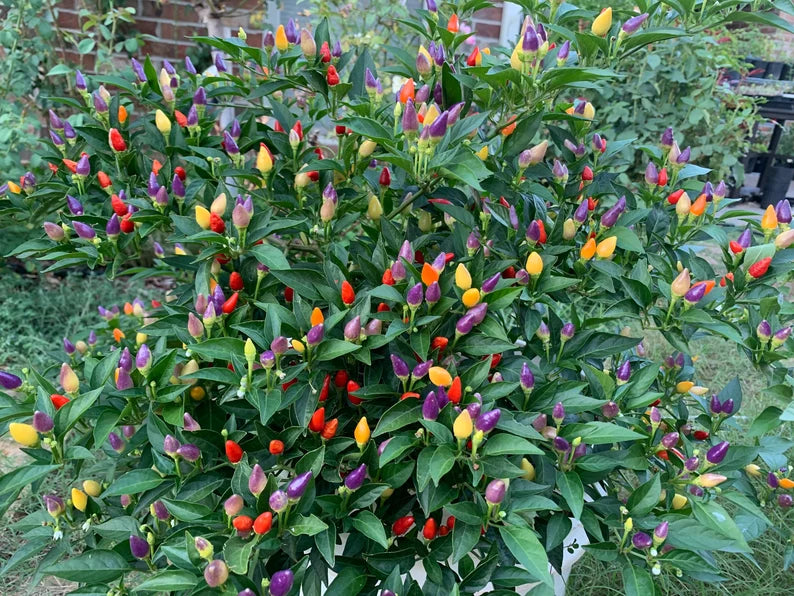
(405, 330)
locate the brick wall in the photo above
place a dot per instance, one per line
(172, 22)
(784, 41)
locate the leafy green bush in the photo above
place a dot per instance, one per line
(407, 342)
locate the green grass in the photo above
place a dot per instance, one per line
(38, 311)
(717, 362)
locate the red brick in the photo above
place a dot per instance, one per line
(146, 26)
(486, 30)
(69, 20)
(180, 32)
(492, 13)
(166, 50)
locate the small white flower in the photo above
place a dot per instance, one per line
(57, 534)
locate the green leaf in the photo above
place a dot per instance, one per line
(504, 444)
(645, 497)
(331, 349)
(370, 525)
(237, 553)
(601, 433)
(401, 414)
(571, 489)
(21, 477)
(269, 255)
(637, 582)
(368, 128)
(528, 550)
(101, 566)
(187, 511)
(442, 462)
(136, 481)
(349, 582)
(465, 537)
(171, 580)
(306, 526)
(219, 348)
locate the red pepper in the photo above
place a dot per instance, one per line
(332, 77)
(230, 366)
(451, 522)
(276, 447)
(409, 394)
(298, 128)
(759, 268)
(348, 295)
(340, 130)
(735, 247)
(70, 165)
(277, 127)
(701, 435)
(663, 455)
(59, 400)
(439, 201)
(443, 531)
(728, 276)
(288, 384)
(662, 177)
(455, 391)
(156, 304)
(243, 523)
(180, 118)
(222, 259)
(289, 294)
(402, 525)
(383, 307)
(233, 451)
(388, 278)
(385, 177)
(419, 257)
(317, 421)
(236, 281)
(591, 204)
(329, 430)
(543, 237)
(448, 257)
(675, 196)
(116, 141)
(495, 360)
(439, 343)
(53, 168)
(263, 523)
(340, 379)
(180, 171)
(325, 53)
(326, 388)
(430, 530)
(103, 179)
(352, 387)
(587, 174)
(472, 58)
(230, 304)
(656, 403)
(126, 224)
(119, 208)
(216, 224)
(314, 175)
(509, 273)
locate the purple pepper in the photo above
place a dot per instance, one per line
(158, 510)
(670, 440)
(125, 360)
(170, 445)
(667, 138)
(430, 408)
(189, 66)
(68, 346)
(414, 296)
(298, 485)
(42, 422)
(651, 174)
(279, 345)
(464, 324)
(189, 452)
(526, 378)
(561, 445)
(190, 424)
(291, 31)
(137, 68)
(478, 312)
(641, 540)
(218, 298)
(612, 214)
(74, 205)
(433, 293)
(124, 380)
(692, 464)
(278, 501)
(56, 139)
(783, 211)
(281, 582)
(474, 410)
(631, 25)
(610, 409)
(9, 381)
(764, 331)
(624, 372)
(229, 144)
(727, 407)
(567, 332)
(410, 120)
(487, 422)
(100, 105)
(716, 454)
(220, 64)
(143, 359)
(683, 158)
(113, 227)
(315, 335)
(400, 368)
(495, 492)
(355, 479)
(695, 293)
(216, 573)
(785, 501)
(79, 81)
(558, 412)
(540, 422)
(489, 285)
(714, 404)
(352, 330)
(421, 369)
(84, 230)
(439, 127)
(139, 547)
(178, 187)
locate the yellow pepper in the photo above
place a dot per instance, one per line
(24, 434)
(534, 264)
(470, 297)
(264, 161)
(249, 350)
(218, 206)
(606, 248)
(462, 277)
(197, 393)
(440, 376)
(366, 148)
(362, 432)
(203, 217)
(92, 487)
(68, 379)
(374, 208)
(462, 427)
(681, 283)
(79, 499)
(162, 122)
(529, 469)
(769, 219)
(298, 346)
(482, 153)
(430, 115)
(679, 501)
(602, 23)
(281, 39)
(684, 386)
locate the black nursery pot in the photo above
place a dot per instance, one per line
(776, 184)
(774, 71)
